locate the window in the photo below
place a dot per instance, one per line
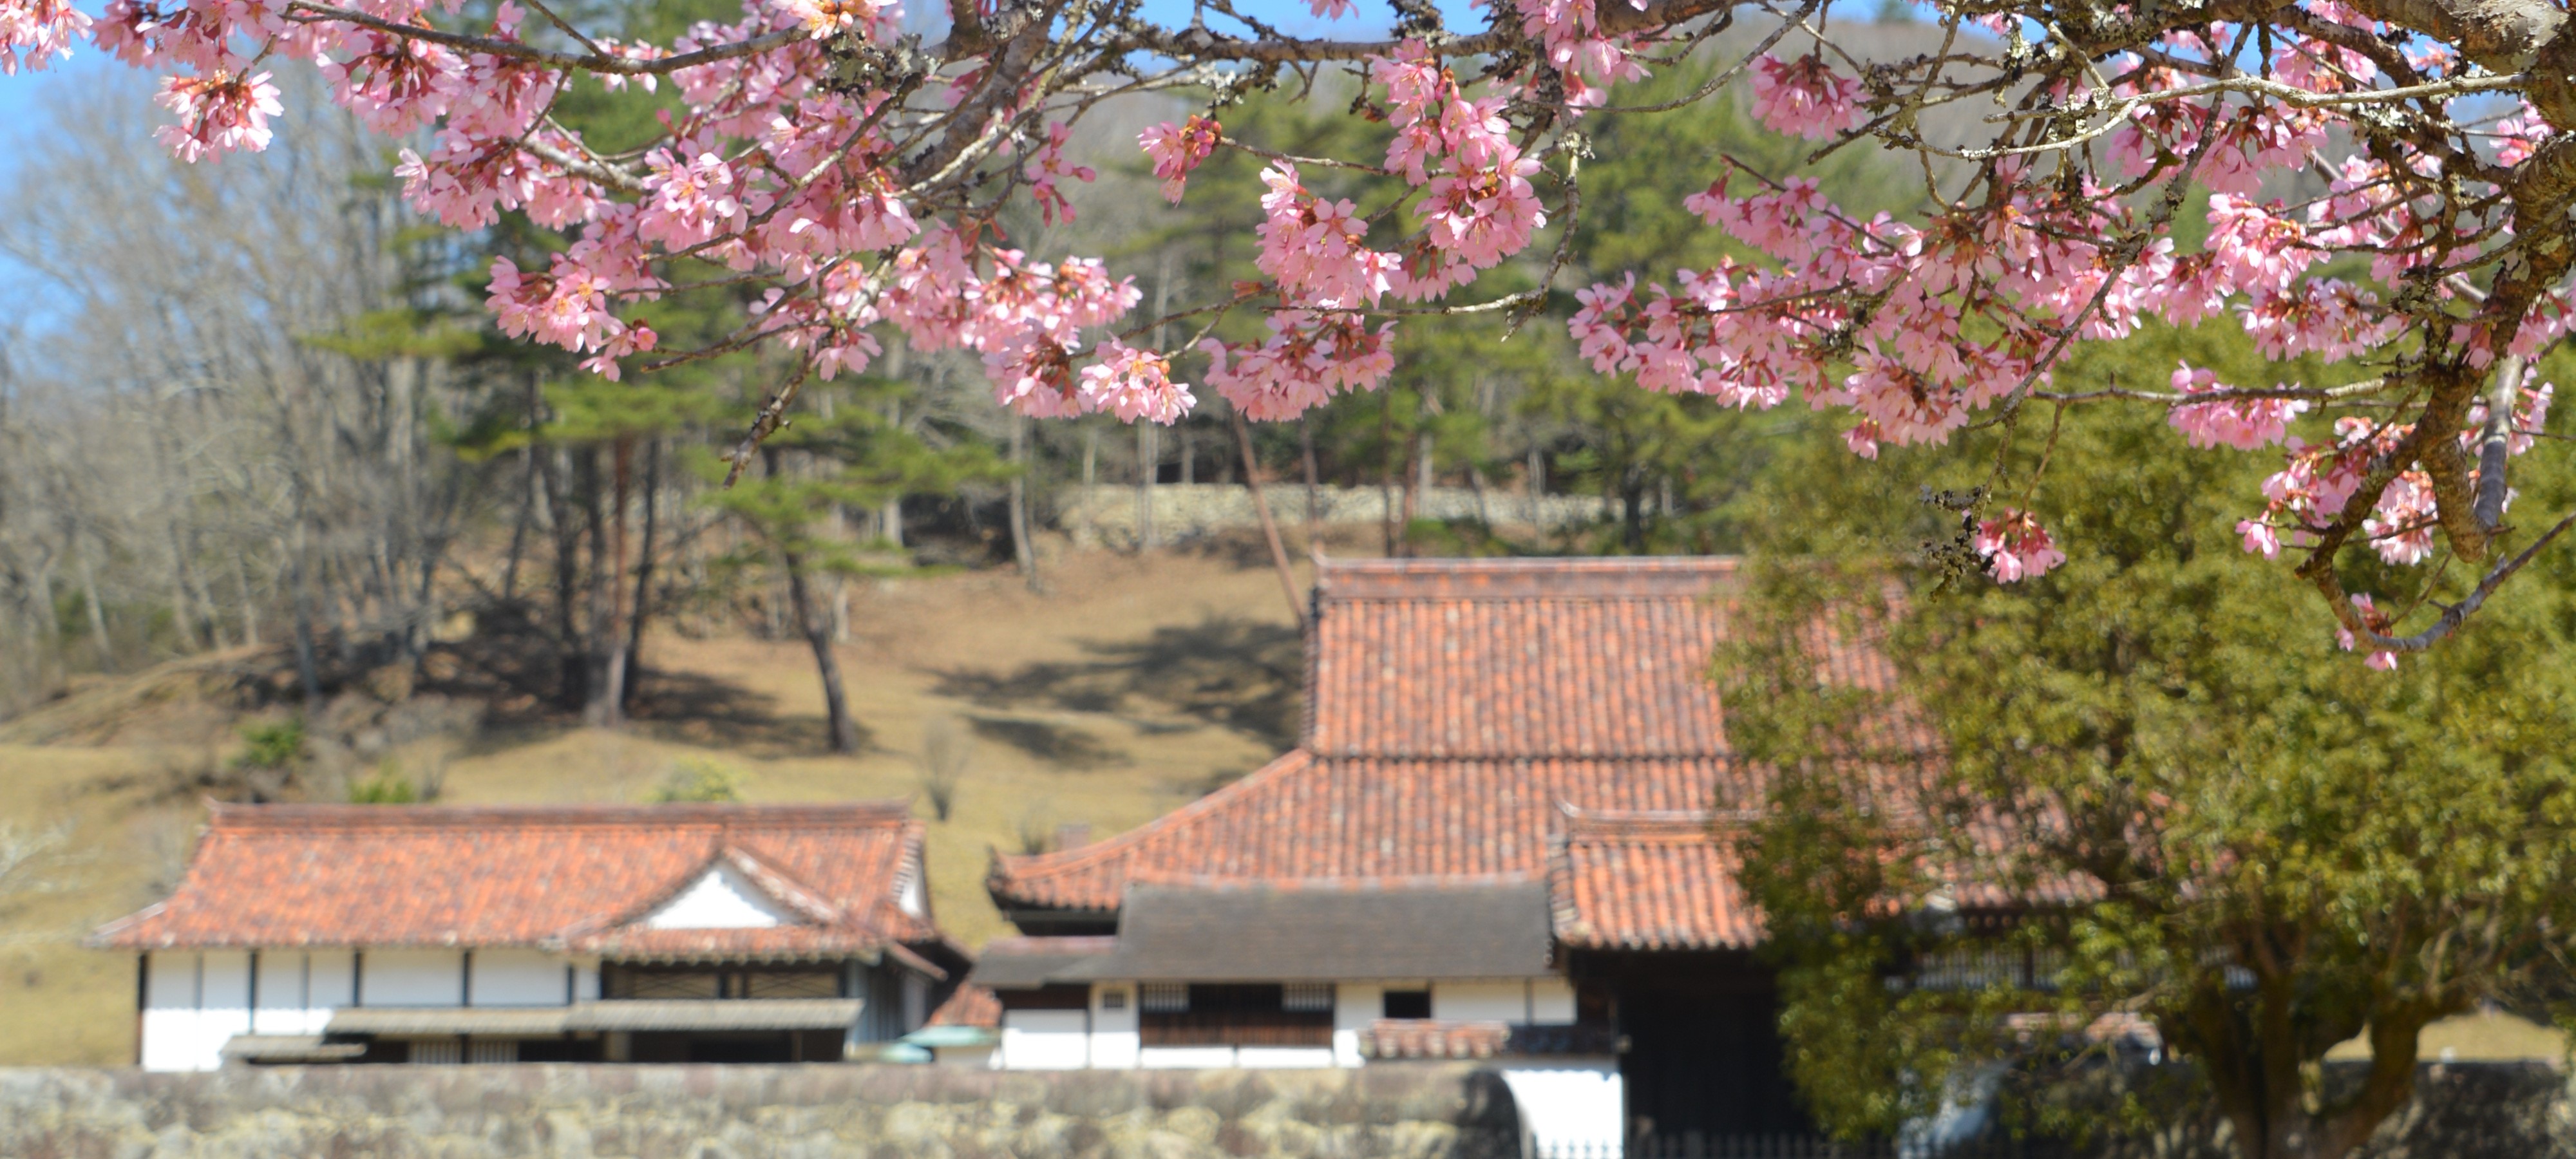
(1233, 1015)
(1307, 997)
(791, 984)
(1113, 998)
(1165, 998)
(1407, 1004)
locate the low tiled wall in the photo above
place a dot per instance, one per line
(1429, 1111)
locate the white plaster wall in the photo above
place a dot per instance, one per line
(1044, 1040)
(1480, 1001)
(413, 978)
(511, 977)
(334, 976)
(1355, 1006)
(1574, 1106)
(1551, 1002)
(585, 981)
(1114, 1036)
(1185, 1057)
(192, 1004)
(286, 999)
(722, 899)
(1283, 1057)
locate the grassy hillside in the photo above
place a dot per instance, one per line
(1130, 687)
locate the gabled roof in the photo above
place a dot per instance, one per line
(583, 878)
(1474, 718)
(1650, 881)
(1451, 707)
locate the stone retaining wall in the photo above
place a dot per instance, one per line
(1185, 511)
(1395, 1111)
(1429, 1111)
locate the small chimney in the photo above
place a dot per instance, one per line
(1073, 835)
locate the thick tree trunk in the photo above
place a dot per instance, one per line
(572, 647)
(640, 608)
(2254, 1052)
(607, 707)
(843, 732)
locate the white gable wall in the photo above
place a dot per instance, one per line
(721, 899)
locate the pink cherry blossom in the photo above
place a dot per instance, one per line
(2016, 547)
(1316, 248)
(1805, 97)
(218, 114)
(2378, 622)
(2246, 423)
(1178, 149)
(35, 33)
(1134, 384)
(2260, 538)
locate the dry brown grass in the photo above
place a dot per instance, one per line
(1125, 690)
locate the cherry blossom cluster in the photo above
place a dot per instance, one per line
(2016, 547)
(34, 33)
(1178, 149)
(855, 178)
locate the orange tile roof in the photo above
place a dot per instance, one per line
(571, 877)
(1649, 881)
(1463, 714)
(1305, 818)
(1452, 706)
(1604, 658)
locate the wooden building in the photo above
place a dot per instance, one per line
(660, 933)
(1499, 837)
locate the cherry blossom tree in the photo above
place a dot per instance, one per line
(856, 176)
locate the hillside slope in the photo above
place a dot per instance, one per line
(1131, 686)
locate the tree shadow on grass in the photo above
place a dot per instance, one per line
(1224, 670)
(1064, 746)
(690, 708)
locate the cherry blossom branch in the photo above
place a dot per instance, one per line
(594, 62)
(2453, 615)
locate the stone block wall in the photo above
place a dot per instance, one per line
(1429, 1111)
(1187, 511)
